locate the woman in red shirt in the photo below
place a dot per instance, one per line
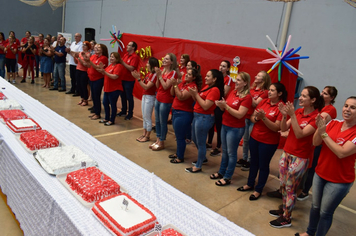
(2, 55)
(10, 58)
(112, 87)
(184, 59)
(96, 79)
(335, 172)
(233, 126)
(204, 113)
(148, 98)
(164, 98)
(182, 110)
(264, 138)
(298, 149)
(82, 73)
(29, 50)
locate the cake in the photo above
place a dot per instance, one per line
(136, 220)
(9, 104)
(169, 232)
(39, 139)
(2, 96)
(12, 115)
(23, 125)
(91, 184)
(65, 159)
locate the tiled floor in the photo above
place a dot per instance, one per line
(226, 201)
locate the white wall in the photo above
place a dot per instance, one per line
(326, 29)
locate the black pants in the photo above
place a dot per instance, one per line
(73, 78)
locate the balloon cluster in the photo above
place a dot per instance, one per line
(281, 59)
(115, 38)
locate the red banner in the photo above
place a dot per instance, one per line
(208, 56)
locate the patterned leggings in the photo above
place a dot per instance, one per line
(291, 170)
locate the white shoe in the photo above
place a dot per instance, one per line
(14, 81)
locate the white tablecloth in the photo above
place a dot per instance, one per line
(44, 207)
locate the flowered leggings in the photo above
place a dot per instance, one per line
(291, 170)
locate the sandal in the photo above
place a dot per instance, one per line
(227, 182)
(95, 117)
(144, 139)
(84, 103)
(139, 138)
(216, 175)
(173, 156)
(103, 121)
(80, 103)
(176, 161)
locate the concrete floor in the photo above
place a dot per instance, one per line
(226, 201)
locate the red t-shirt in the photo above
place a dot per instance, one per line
(131, 60)
(256, 93)
(186, 105)
(24, 40)
(150, 78)
(332, 168)
(94, 74)
(9, 54)
(165, 96)
(235, 102)
(2, 43)
(330, 109)
(302, 147)
(80, 66)
(229, 82)
(111, 85)
(183, 69)
(212, 94)
(260, 131)
(39, 44)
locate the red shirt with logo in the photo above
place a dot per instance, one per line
(94, 74)
(330, 167)
(302, 147)
(256, 93)
(235, 102)
(131, 60)
(260, 131)
(163, 95)
(330, 109)
(229, 82)
(150, 78)
(186, 105)
(111, 85)
(211, 94)
(9, 54)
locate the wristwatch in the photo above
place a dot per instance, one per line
(324, 135)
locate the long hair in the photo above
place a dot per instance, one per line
(104, 50)
(332, 92)
(153, 62)
(219, 82)
(228, 66)
(198, 80)
(281, 89)
(186, 59)
(266, 81)
(195, 65)
(246, 78)
(315, 93)
(174, 65)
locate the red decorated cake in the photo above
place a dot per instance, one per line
(170, 232)
(12, 115)
(23, 125)
(92, 184)
(135, 220)
(40, 139)
(2, 96)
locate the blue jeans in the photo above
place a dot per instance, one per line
(110, 99)
(161, 113)
(181, 124)
(95, 88)
(127, 96)
(59, 72)
(147, 104)
(261, 155)
(2, 65)
(200, 128)
(245, 147)
(230, 138)
(326, 197)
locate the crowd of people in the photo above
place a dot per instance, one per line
(319, 149)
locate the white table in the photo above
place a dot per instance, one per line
(44, 207)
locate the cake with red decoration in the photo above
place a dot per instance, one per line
(39, 139)
(16, 114)
(23, 125)
(2, 96)
(130, 220)
(91, 184)
(169, 232)
(8, 104)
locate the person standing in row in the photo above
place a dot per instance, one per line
(76, 46)
(29, 49)
(46, 62)
(130, 61)
(59, 65)
(2, 55)
(82, 74)
(39, 45)
(10, 58)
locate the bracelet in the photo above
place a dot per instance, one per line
(139, 80)
(324, 135)
(256, 119)
(160, 78)
(175, 86)
(263, 118)
(227, 108)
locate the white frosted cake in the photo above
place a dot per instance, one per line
(65, 159)
(23, 125)
(135, 220)
(9, 104)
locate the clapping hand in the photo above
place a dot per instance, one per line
(158, 72)
(135, 74)
(321, 123)
(193, 92)
(260, 114)
(221, 103)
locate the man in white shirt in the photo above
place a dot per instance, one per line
(76, 46)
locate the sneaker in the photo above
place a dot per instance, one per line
(14, 81)
(281, 222)
(240, 162)
(302, 196)
(215, 152)
(246, 166)
(204, 162)
(275, 194)
(276, 213)
(208, 146)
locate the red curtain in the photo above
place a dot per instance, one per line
(208, 56)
